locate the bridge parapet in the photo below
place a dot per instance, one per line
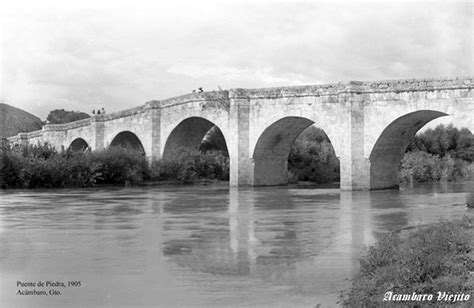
(18, 138)
(211, 96)
(356, 87)
(67, 126)
(408, 85)
(86, 122)
(24, 137)
(295, 91)
(120, 114)
(37, 133)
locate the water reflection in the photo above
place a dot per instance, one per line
(205, 246)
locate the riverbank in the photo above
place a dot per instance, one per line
(429, 259)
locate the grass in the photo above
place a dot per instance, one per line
(433, 258)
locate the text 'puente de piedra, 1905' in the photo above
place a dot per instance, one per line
(369, 124)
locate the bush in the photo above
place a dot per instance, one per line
(119, 165)
(42, 166)
(312, 158)
(420, 166)
(11, 164)
(191, 165)
(444, 140)
(425, 261)
(56, 171)
(442, 153)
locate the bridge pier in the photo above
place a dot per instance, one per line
(98, 138)
(241, 163)
(355, 173)
(155, 147)
(355, 168)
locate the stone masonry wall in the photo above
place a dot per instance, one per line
(360, 119)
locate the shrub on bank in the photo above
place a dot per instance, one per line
(42, 166)
(443, 140)
(60, 170)
(117, 165)
(420, 166)
(430, 259)
(11, 164)
(190, 165)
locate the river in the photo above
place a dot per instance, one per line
(201, 245)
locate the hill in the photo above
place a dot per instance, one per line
(14, 121)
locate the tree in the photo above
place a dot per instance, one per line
(61, 116)
(465, 145)
(312, 157)
(445, 140)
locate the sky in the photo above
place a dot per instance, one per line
(118, 55)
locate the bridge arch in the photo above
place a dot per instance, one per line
(270, 156)
(127, 139)
(391, 145)
(78, 145)
(190, 133)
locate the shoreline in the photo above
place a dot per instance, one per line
(388, 265)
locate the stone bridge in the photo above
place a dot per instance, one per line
(369, 124)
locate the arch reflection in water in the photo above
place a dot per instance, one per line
(271, 234)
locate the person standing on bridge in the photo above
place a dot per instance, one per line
(103, 110)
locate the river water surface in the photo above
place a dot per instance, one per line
(201, 245)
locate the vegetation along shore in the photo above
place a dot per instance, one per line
(431, 265)
(441, 154)
(43, 166)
